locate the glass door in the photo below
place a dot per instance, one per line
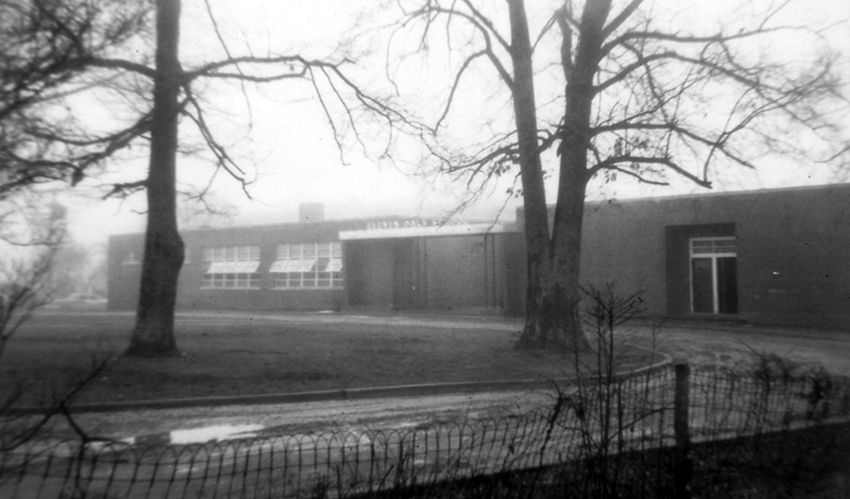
(714, 279)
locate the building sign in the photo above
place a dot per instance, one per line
(413, 223)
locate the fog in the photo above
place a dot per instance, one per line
(281, 137)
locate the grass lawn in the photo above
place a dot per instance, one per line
(242, 355)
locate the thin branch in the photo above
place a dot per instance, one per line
(637, 176)
(224, 46)
(123, 189)
(483, 25)
(667, 162)
(455, 84)
(688, 39)
(331, 121)
(223, 159)
(212, 69)
(489, 24)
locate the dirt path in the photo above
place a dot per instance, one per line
(314, 417)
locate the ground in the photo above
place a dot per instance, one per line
(244, 353)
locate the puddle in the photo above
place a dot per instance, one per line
(197, 435)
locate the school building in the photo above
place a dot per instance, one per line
(778, 256)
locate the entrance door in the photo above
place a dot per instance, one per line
(714, 275)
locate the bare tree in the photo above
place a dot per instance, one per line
(78, 269)
(636, 99)
(24, 287)
(46, 52)
(25, 274)
(163, 92)
(174, 96)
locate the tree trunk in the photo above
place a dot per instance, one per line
(552, 301)
(549, 321)
(153, 334)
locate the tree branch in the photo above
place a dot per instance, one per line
(123, 189)
(687, 39)
(455, 84)
(618, 21)
(481, 23)
(134, 67)
(613, 161)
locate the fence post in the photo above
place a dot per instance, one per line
(682, 465)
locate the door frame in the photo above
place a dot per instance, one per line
(713, 256)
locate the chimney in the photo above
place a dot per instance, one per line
(311, 212)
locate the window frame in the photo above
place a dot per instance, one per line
(307, 266)
(240, 258)
(713, 256)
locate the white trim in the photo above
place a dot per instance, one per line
(233, 268)
(306, 265)
(334, 265)
(430, 231)
(285, 266)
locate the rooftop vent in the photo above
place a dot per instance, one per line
(311, 212)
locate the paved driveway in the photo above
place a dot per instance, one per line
(734, 344)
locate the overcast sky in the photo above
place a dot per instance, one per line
(289, 147)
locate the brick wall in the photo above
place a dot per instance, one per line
(793, 252)
(123, 278)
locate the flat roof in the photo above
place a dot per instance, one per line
(403, 229)
(712, 193)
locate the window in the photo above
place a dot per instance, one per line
(231, 267)
(714, 279)
(307, 265)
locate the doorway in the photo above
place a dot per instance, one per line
(714, 275)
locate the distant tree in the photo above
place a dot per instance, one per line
(78, 268)
(30, 237)
(69, 269)
(23, 289)
(634, 98)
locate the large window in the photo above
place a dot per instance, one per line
(231, 267)
(714, 275)
(307, 265)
